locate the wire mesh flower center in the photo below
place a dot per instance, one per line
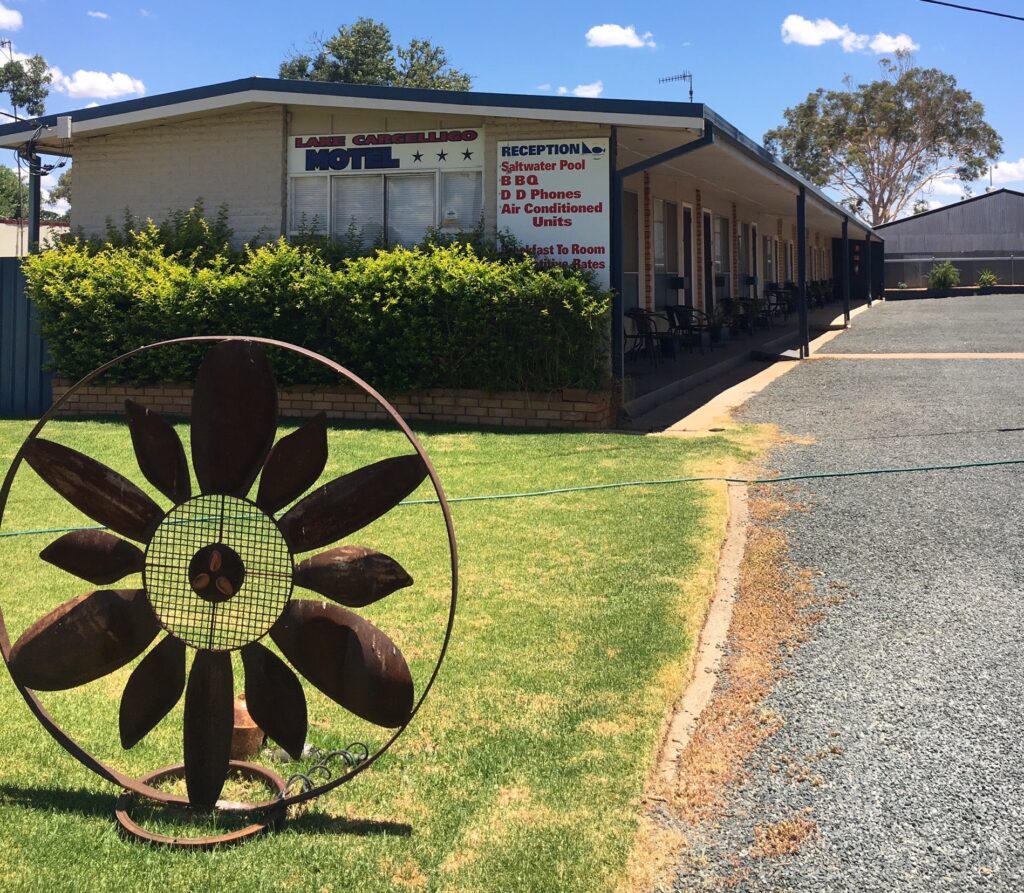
(218, 572)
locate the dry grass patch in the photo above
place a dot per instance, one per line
(770, 618)
(775, 608)
(782, 838)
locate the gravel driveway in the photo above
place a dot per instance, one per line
(914, 684)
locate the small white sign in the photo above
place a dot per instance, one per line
(553, 197)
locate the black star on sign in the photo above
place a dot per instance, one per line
(417, 156)
(442, 156)
(467, 154)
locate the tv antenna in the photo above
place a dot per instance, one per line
(685, 76)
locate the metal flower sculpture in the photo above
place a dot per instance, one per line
(218, 572)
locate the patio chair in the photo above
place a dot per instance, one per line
(686, 325)
(737, 316)
(648, 337)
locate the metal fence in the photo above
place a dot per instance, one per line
(25, 389)
(913, 271)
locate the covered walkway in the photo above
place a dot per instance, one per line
(709, 222)
(651, 381)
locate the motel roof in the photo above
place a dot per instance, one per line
(254, 92)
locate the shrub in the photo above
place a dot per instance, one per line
(943, 275)
(986, 279)
(902, 285)
(195, 238)
(403, 319)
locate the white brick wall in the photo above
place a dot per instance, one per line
(236, 158)
(239, 159)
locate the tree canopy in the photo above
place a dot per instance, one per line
(880, 144)
(364, 53)
(62, 191)
(26, 82)
(11, 194)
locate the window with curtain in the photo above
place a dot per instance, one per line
(358, 202)
(462, 199)
(411, 208)
(310, 208)
(393, 209)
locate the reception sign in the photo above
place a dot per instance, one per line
(553, 197)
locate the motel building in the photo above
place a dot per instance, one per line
(666, 203)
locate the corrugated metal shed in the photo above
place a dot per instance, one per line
(992, 223)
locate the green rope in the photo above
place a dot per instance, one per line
(616, 485)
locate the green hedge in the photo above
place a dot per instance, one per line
(402, 319)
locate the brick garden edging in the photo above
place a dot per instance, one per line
(570, 408)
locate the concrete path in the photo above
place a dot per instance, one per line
(913, 685)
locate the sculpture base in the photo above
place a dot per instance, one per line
(264, 820)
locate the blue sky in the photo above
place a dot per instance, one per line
(750, 60)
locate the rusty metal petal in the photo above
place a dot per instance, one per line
(209, 721)
(352, 575)
(93, 555)
(84, 639)
(154, 687)
(348, 659)
(159, 452)
(98, 491)
(275, 698)
(347, 504)
(294, 464)
(234, 417)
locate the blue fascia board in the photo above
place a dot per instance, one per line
(469, 99)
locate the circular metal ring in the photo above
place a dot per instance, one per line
(250, 771)
(140, 786)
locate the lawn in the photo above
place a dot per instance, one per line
(525, 769)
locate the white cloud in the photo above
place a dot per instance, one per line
(543, 87)
(851, 42)
(886, 43)
(98, 15)
(952, 188)
(618, 36)
(96, 84)
(797, 29)
(92, 104)
(10, 19)
(1008, 172)
(562, 91)
(589, 91)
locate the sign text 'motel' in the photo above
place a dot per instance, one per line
(417, 150)
(368, 159)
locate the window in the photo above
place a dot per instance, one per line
(357, 204)
(659, 236)
(411, 208)
(310, 210)
(393, 209)
(723, 256)
(461, 199)
(666, 237)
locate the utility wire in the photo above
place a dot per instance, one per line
(617, 485)
(988, 12)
